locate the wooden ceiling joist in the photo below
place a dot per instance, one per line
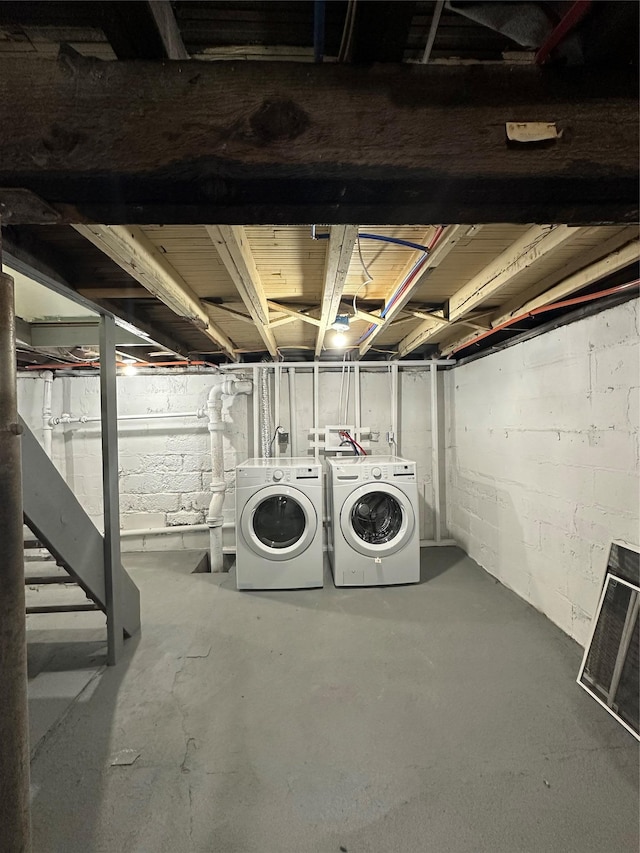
(448, 240)
(293, 313)
(591, 274)
(342, 239)
(235, 253)
(134, 253)
(532, 247)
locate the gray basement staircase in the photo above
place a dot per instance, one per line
(60, 525)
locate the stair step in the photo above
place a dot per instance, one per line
(41, 579)
(32, 543)
(61, 608)
(38, 558)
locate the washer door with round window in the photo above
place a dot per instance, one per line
(377, 520)
(278, 523)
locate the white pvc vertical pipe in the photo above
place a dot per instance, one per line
(293, 414)
(316, 403)
(255, 450)
(276, 407)
(47, 426)
(356, 396)
(435, 452)
(394, 407)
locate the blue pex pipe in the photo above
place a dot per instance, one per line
(381, 238)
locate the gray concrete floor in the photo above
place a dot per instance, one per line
(441, 717)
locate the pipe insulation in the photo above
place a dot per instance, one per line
(225, 386)
(265, 414)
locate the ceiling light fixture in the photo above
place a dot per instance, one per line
(341, 326)
(129, 370)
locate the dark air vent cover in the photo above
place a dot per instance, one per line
(609, 669)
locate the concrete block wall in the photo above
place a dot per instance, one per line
(543, 461)
(165, 466)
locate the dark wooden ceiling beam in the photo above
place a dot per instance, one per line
(238, 142)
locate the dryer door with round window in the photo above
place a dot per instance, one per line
(278, 522)
(377, 519)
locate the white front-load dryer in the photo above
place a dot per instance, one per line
(279, 524)
(374, 534)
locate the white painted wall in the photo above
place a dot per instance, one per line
(543, 461)
(165, 466)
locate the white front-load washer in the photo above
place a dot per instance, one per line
(279, 524)
(374, 533)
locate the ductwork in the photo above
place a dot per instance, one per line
(265, 413)
(228, 386)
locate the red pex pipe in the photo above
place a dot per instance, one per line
(566, 303)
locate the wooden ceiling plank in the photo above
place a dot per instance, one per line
(621, 258)
(232, 244)
(342, 239)
(445, 245)
(128, 247)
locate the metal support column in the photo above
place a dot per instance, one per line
(435, 453)
(110, 490)
(14, 721)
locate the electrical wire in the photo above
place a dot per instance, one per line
(275, 433)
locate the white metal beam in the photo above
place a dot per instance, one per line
(129, 247)
(342, 239)
(447, 241)
(235, 253)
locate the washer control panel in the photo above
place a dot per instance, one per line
(301, 474)
(372, 472)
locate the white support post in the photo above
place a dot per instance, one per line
(256, 452)
(394, 407)
(316, 401)
(276, 407)
(356, 395)
(435, 453)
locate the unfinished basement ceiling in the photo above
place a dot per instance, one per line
(246, 292)
(276, 291)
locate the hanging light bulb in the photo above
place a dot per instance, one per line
(129, 370)
(341, 326)
(339, 340)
